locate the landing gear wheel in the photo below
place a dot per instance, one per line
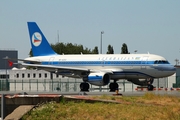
(150, 87)
(113, 87)
(84, 87)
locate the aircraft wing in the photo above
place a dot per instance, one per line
(74, 72)
(53, 68)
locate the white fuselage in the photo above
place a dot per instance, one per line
(122, 66)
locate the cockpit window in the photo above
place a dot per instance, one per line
(156, 62)
(161, 62)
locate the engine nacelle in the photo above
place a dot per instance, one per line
(99, 79)
(141, 82)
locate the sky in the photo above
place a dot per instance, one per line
(144, 25)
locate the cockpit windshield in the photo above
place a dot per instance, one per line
(161, 62)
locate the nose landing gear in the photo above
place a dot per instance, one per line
(150, 87)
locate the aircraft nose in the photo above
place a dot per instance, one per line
(169, 68)
(172, 68)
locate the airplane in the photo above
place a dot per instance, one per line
(97, 69)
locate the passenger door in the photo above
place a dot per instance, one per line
(144, 62)
(51, 60)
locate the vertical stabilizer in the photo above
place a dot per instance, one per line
(39, 44)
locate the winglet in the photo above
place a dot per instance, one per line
(39, 44)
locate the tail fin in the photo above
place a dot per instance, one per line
(39, 44)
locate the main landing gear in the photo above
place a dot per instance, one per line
(113, 86)
(150, 87)
(84, 86)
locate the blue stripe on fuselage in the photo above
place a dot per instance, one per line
(97, 63)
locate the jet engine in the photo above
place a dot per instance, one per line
(99, 79)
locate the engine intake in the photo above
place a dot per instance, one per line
(99, 79)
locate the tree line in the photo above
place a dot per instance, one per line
(69, 48)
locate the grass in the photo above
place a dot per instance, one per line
(147, 107)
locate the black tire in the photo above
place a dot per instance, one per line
(84, 86)
(116, 86)
(150, 87)
(113, 87)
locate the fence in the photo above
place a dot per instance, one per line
(72, 85)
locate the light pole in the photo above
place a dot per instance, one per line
(177, 61)
(102, 32)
